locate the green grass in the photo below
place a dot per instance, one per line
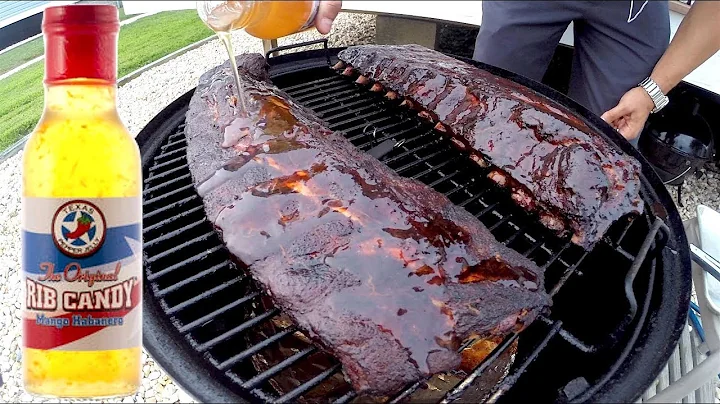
(23, 53)
(30, 50)
(140, 43)
(150, 38)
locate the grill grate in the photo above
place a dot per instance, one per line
(224, 317)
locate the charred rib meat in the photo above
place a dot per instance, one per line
(551, 160)
(382, 271)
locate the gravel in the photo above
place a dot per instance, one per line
(696, 191)
(139, 101)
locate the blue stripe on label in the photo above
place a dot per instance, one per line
(39, 248)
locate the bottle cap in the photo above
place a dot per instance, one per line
(81, 14)
(80, 42)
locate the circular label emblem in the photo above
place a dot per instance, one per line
(78, 229)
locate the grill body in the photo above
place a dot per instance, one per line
(618, 310)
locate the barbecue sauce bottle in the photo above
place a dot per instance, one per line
(81, 219)
(261, 19)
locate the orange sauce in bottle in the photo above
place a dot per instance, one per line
(261, 19)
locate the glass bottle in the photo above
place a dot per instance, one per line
(81, 219)
(261, 19)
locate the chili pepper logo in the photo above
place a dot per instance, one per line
(78, 229)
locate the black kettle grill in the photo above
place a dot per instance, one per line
(618, 309)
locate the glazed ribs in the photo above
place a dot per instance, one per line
(553, 162)
(382, 271)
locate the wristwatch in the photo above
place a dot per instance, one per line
(659, 99)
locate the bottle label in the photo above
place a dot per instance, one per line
(82, 263)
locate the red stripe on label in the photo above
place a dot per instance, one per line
(49, 337)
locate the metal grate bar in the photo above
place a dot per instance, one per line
(166, 222)
(408, 141)
(437, 168)
(311, 83)
(171, 206)
(458, 187)
(335, 101)
(567, 336)
(346, 398)
(153, 176)
(625, 253)
(235, 359)
(204, 295)
(208, 317)
(539, 242)
(187, 281)
(369, 129)
(308, 385)
(177, 135)
(175, 249)
(500, 222)
(325, 84)
(286, 363)
(420, 161)
(359, 117)
(156, 167)
(172, 144)
(169, 194)
(238, 329)
(415, 138)
(322, 96)
(384, 138)
(180, 151)
(627, 227)
(321, 90)
(555, 256)
(487, 209)
(567, 274)
(364, 124)
(162, 185)
(408, 152)
(472, 198)
(262, 396)
(348, 113)
(192, 260)
(343, 106)
(174, 233)
(520, 230)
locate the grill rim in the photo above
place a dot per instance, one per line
(196, 376)
(192, 372)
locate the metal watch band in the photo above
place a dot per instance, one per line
(659, 99)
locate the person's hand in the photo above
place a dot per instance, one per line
(629, 116)
(327, 11)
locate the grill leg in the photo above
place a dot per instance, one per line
(269, 44)
(679, 199)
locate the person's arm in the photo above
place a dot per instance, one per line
(696, 40)
(327, 11)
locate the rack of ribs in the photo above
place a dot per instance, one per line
(381, 271)
(554, 164)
